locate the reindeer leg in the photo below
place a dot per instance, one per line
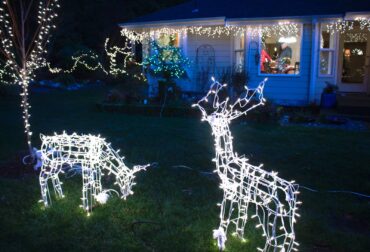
(96, 176)
(225, 215)
(242, 218)
(226, 212)
(56, 182)
(43, 178)
(87, 184)
(263, 224)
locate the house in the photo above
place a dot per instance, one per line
(299, 45)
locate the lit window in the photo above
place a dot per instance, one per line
(168, 39)
(355, 54)
(239, 53)
(327, 49)
(280, 54)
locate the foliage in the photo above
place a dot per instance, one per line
(224, 74)
(166, 61)
(239, 79)
(330, 88)
(170, 89)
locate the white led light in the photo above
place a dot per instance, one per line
(247, 187)
(22, 56)
(112, 52)
(281, 29)
(342, 26)
(94, 155)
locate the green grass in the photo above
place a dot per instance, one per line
(319, 158)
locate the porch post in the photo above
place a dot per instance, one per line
(314, 59)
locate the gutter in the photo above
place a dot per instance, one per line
(267, 20)
(223, 21)
(176, 22)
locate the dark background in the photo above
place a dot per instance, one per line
(85, 24)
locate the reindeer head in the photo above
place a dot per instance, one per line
(217, 109)
(125, 179)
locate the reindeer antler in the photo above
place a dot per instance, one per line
(250, 94)
(232, 111)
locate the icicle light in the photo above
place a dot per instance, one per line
(342, 26)
(281, 29)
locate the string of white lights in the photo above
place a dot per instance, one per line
(282, 29)
(114, 69)
(273, 199)
(341, 26)
(22, 56)
(93, 154)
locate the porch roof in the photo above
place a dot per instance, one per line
(250, 9)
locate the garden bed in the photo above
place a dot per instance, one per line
(148, 110)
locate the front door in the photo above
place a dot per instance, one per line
(354, 60)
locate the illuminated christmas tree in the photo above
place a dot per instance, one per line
(166, 61)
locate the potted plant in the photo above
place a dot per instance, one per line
(329, 96)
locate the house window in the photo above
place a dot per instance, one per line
(327, 50)
(168, 39)
(239, 53)
(280, 54)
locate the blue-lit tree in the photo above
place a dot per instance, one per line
(167, 62)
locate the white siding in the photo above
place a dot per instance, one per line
(285, 90)
(223, 56)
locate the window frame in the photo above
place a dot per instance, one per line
(333, 50)
(280, 75)
(236, 51)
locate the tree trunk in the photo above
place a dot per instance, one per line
(25, 110)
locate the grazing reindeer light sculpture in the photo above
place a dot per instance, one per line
(274, 199)
(93, 154)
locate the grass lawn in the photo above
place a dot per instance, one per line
(174, 209)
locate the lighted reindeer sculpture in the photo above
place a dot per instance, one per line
(93, 154)
(273, 200)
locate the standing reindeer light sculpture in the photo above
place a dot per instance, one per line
(273, 200)
(93, 154)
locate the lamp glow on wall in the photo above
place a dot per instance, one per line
(288, 40)
(94, 155)
(248, 188)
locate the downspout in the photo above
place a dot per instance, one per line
(314, 60)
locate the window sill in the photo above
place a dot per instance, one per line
(325, 76)
(279, 75)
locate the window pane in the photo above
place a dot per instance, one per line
(239, 61)
(168, 39)
(239, 42)
(326, 61)
(326, 37)
(280, 54)
(239, 52)
(354, 55)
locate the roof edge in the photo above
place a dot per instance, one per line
(175, 22)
